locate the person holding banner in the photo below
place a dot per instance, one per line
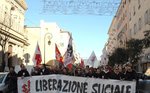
(11, 80)
(116, 74)
(44, 70)
(99, 74)
(107, 72)
(23, 72)
(89, 72)
(35, 71)
(79, 72)
(65, 71)
(130, 73)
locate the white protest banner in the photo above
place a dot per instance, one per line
(24, 85)
(71, 84)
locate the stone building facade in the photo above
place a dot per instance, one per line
(130, 22)
(12, 32)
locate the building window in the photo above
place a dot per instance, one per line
(140, 23)
(121, 42)
(129, 1)
(139, 4)
(130, 32)
(13, 20)
(125, 2)
(134, 11)
(135, 28)
(130, 16)
(16, 22)
(19, 24)
(146, 17)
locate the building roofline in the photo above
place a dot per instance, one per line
(31, 27)
(22, 3)
(115, 15)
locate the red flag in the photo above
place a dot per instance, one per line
(69, 66)
(37, 56)
(82, 64)
(58, 56)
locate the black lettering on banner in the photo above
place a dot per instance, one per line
(85, 87)
(117, 89)
(103, 88)
(69, 89)
(122, 89)
(128, 89)
(44, 85)
(64, 88)
(80, 87)
(93, 87)
(59, 86)
(36, 86)
(40, 85)
(54, 84)
(112, 88)
(49, 84)
(106, 87)
(74, 86)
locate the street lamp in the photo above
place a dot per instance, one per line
(49, 42)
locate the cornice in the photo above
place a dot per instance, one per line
(22, 3)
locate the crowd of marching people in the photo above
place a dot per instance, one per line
(118, 72)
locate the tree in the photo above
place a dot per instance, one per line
(119, 56)
(134, 50)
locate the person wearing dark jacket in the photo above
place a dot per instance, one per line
(99, 74)
(44, 70)
(116, 74)
(11, 80)
(107, 72)
(35, 71)
(89, 73)
(23, 72)
(130, 74)
(79, 72)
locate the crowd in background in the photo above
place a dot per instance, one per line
(118, 72)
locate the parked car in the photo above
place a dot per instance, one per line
(144, 82)
(3, 84)
(144, 86)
